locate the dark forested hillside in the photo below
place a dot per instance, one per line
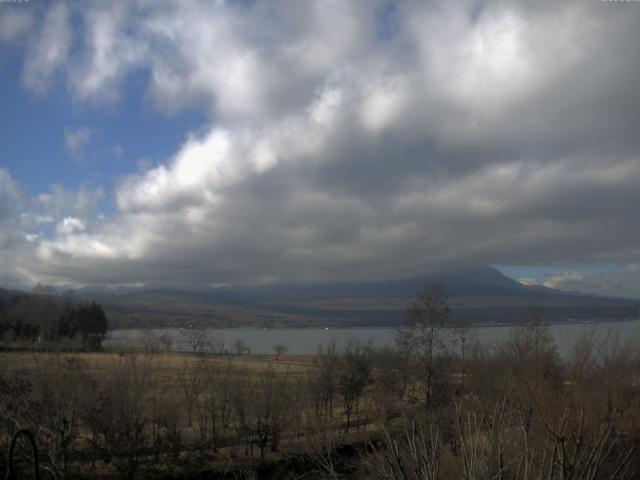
(27, 320)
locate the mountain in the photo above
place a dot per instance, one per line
(477, 295)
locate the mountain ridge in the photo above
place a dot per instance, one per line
(479, 294)
(472, 281)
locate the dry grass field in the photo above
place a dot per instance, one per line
(509, 411)
(157, 413)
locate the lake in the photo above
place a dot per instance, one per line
(307, 340)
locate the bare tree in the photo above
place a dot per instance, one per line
(270, 407)
(197, 338)
(279, 349)
(425, 338)
(323, 380)
(217, 343)
(216, 409)
(354, 376)
(530, 354)
(240, 346)
(190, 378)
(120, 426)
(167, 342)
(390, 372)
(414, 454)
(150, 341)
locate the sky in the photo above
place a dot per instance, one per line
(198, 144)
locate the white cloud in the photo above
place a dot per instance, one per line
(208, 60)
(76, 141)
(384, 102)
(70, 225)
(59, 202)
(478, 62)
(14, 24)
(26, 227)
(12, 195)
(621, 281)
(199, 168)
(563, 280)
(110, 53)
(325, 109)
(118, 151)
(48, 51)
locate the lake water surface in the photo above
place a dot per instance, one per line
(307, 340)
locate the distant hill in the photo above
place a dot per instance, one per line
(7, 294)
(477, 295)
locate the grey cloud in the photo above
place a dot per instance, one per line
(504, 133)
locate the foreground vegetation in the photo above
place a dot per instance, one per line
(438, 406)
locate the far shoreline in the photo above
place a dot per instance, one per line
(381, 327)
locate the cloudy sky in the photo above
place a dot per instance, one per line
(197, 144)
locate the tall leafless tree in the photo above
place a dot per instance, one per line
(425, 338)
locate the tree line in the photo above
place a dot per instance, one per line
(30, 320)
